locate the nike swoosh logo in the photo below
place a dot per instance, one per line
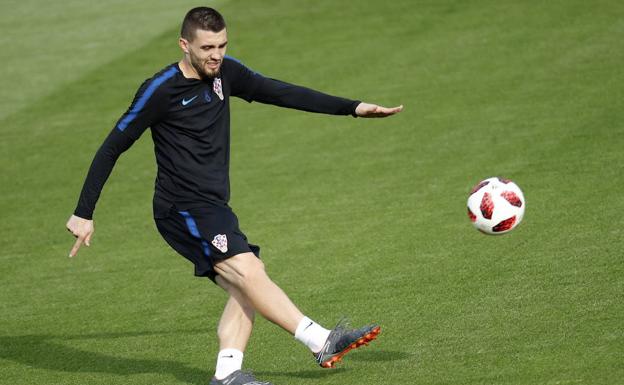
(306, 328)
(185, 102)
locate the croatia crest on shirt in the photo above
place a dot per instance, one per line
(216, 87)
(220, 242)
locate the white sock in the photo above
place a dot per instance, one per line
(311, 334)
(228, 361)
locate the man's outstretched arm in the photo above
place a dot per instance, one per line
(288, 95)
(252, 86)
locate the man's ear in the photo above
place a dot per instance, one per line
(184, 45)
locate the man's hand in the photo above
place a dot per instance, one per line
(366, 110)
(82, 229)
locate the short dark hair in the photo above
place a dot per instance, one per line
(204, 18)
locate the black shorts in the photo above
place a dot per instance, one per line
(204, 236)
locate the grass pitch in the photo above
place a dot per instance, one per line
(356, 217)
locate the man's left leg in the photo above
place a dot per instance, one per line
(245, 273)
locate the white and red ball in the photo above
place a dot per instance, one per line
(496, 205)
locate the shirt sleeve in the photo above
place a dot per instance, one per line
(252, 86)
(105, 158)
(149, 106)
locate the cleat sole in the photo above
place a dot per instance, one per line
(364, 340)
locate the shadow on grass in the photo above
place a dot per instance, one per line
(308, 374)
(378, 356)
(56, 353)
(45, 352)
(368, 356)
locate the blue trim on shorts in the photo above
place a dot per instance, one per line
(192, 226)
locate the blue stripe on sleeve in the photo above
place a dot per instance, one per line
(149, 91)
(234, 59)
(241, 63)
(192, 226)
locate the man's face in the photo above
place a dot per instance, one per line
(206, 51)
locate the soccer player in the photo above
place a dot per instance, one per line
(186, 105)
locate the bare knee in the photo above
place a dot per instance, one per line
(251, 275)
(242, 270)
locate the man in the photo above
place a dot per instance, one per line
(186, 105)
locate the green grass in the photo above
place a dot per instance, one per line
(364, 218)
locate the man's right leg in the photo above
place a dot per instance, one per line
(233, 331)
(237, 319)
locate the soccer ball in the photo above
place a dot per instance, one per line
(496, 206)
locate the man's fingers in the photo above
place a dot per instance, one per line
(82, 229)
(389, 111)
(74, 249)
(374, 111)
(394, 110)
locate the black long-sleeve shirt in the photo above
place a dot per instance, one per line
(190, 123)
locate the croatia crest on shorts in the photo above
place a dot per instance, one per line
(216, 87)
(220, 242)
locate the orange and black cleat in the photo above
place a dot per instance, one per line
(341, 340)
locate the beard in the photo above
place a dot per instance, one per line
(202, 71)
